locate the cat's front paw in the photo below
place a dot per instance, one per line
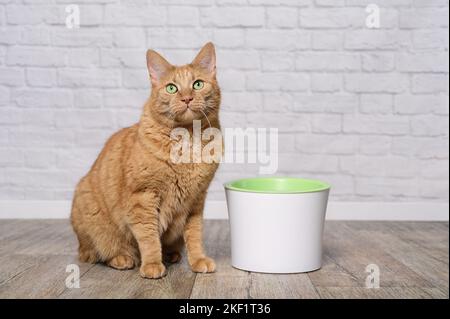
(203, 265)
(153, 271)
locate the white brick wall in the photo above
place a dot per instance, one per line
(365, 109)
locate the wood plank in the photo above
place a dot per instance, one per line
(45, 279)
(221, 286)
(13, 265)
(333, 275)
(104, 282)
(286, 286)
(39, 237)
(354, 250)
(415, 257)
(381, 293)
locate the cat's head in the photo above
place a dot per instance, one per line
(185, 93)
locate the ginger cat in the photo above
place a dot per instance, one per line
(135, 206)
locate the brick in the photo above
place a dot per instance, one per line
(429, 83)
(434, 189)
(232, 16)
(397, 166)
(37, 118)
(92, 138)
(83, 158)
(42, 97)
(128, 58)
(135, 15)
(277, 101)
(277, 81)
(34, 35)
(421, 147)
(326, 82)
(328, 41)
(90, 98)
(241, 102)
(10, 116)
(331, 18)
(290, 3)
(379, 124)
(11, 76)
(91, 119)
(9, 35)
(185, 38)
(83, 58)
(376, 103)
(378, 62)
(430, 3)
(138, 79)
(374, 145)
(436, 169)
(430, 125)
(327, 144)
(278, 39)
(129, 37)
(11, 157)
(231, 80)
(377, 186)
(423, 62)
(125, 98)
(327, 123)
(126, 118)
(327, 61)
(40, 158)
(91, 15)
(41, 77)
(41, 138)
(418, 104)
(278, 61)
(308, 163)
(423, 18)
(81, 38)
(236, 59)
(325, 103)
(89, 78)
(430, 39)
(285, 122)
(373, 39)
(282, 17)
(31, 14)
(229, 38)
(4, 96)
(183, 16)
(376, 83)
(33, 56)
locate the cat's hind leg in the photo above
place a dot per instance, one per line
(172, 252)
(86, 251)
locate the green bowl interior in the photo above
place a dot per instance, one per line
(277, 185)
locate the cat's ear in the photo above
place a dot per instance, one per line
(206, 58)
(157, 66)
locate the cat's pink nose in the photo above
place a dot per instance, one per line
(187, 99)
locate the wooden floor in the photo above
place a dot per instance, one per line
(412, 257)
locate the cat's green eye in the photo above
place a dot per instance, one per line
(198, 85)
(171, 88)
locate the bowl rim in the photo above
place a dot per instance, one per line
(322, 186)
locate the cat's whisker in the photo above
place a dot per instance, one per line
(206, 117)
